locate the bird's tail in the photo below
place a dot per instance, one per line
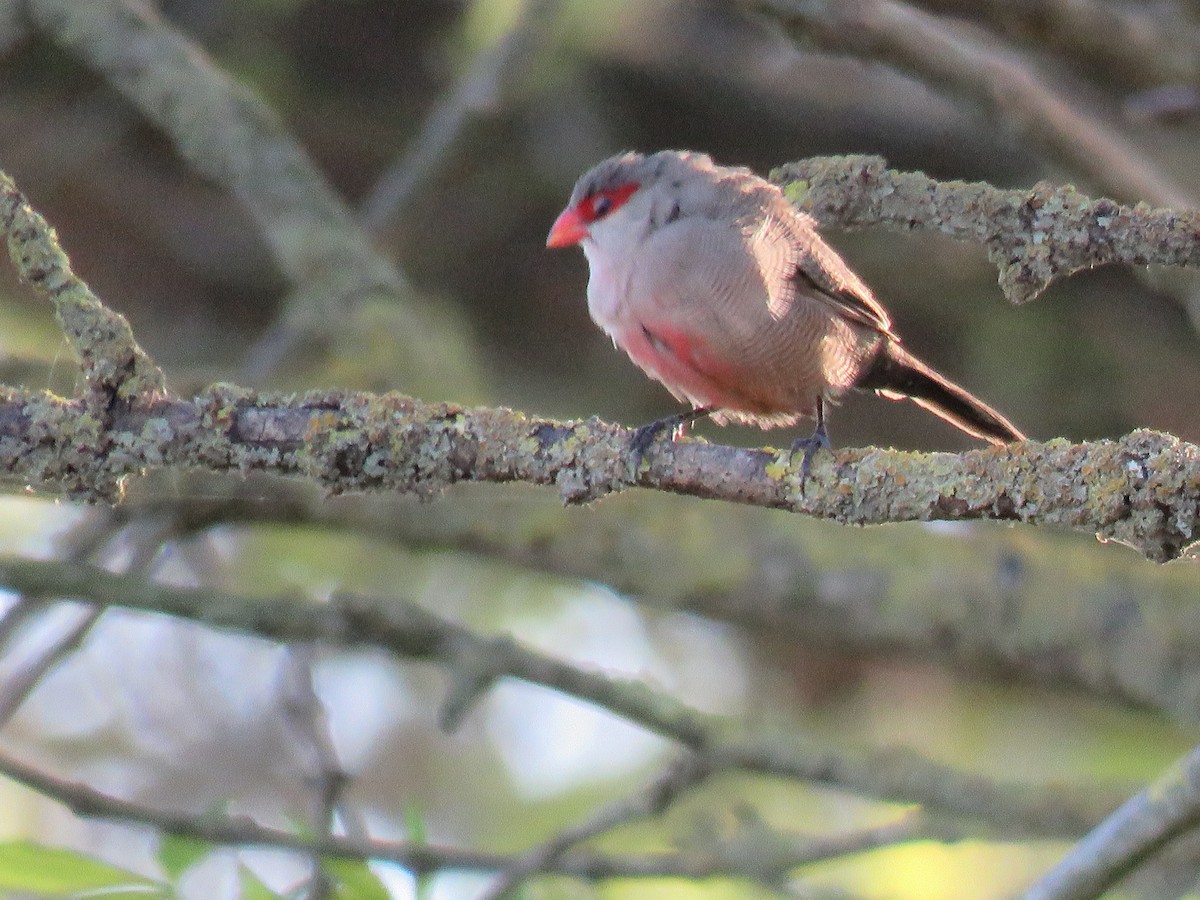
(896, 373)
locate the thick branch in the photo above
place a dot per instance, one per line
(1034, 236)
(410, 631)
(1141, 490)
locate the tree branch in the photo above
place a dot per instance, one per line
(229, 135)
(1048, 612)
(421, 859)
(1140, 490)
(1004, 85)
(306, 718)
(222, 129)
(1142, 826)
(1034, 236)
(477, 91)
(115, 367)
(1134, 44)
(681, 775)
(407, 630)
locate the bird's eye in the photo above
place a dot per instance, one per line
(600, 204)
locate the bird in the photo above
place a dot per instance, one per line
(716, 286)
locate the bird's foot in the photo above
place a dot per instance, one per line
(818, 440)
(675, 426)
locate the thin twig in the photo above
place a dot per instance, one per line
(1140, 828)
(682, 775)
(1131, 44)
(305, 715)
(477, 92)
(21, 685)
(422, 858)
(81, 544)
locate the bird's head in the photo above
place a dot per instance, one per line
(630, 194)
(602, 192)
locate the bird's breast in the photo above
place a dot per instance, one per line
(607, 290)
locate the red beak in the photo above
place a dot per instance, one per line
(568, 229)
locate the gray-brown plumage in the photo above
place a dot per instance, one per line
(718, 288)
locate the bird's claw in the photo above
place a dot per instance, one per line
(674, 425)
(818, 440)
(644, 437)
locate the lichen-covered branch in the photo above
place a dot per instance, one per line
(409, 631)
(1034, 236)
(116, 368)
(1142, 490)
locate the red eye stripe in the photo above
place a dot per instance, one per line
(604, 203)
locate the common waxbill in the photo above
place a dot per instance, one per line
(716, 286)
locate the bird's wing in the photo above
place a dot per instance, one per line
(823, 275)
(794, 260)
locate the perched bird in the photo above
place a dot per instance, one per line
(716, 286)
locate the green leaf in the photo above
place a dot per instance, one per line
(415, 823)
(26, 866)
(178, 854)
(355, 880)
(252, 888)
(418, 834)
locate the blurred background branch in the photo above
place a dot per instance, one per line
(476, 93)
(406, 630)
(1008, 88)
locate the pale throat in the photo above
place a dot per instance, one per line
(612, 255)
